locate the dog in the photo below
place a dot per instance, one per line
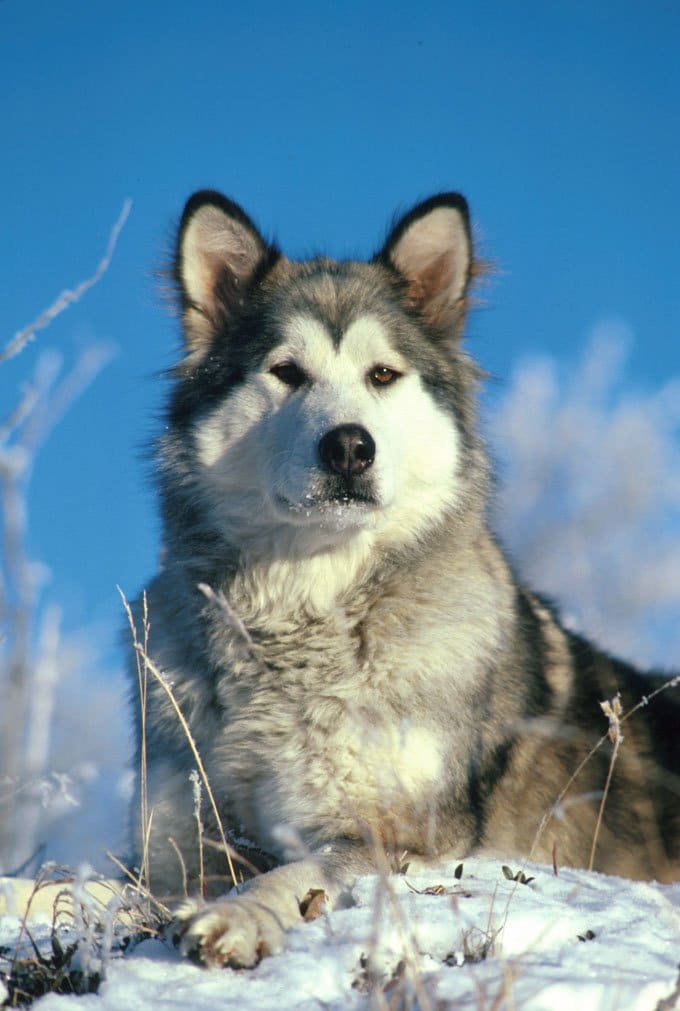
(363, 677)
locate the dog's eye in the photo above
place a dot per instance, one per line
(382, 375)
(289, 373)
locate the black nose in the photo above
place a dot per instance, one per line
(347, 449)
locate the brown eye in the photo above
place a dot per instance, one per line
(382, 375)
(290, 374)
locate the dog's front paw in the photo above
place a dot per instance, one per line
(237, 932)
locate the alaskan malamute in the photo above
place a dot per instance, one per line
(362, 674)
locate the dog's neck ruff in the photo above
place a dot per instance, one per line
(311, 585)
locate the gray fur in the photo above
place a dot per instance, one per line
(375, 680)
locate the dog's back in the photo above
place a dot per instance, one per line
(608, 746)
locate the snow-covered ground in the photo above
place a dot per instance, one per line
(577, 940)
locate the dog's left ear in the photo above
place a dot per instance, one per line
(431, 248)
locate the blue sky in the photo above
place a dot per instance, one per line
(558, 120)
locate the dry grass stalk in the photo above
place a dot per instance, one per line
(237, 858)
(673, 682)
(196, 787)
(162, 682)
(161, 909)
(613, 711)
(236, 624)
(182, 864)
(142, 684)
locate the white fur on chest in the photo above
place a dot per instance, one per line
(339, 729)
(324, 741)
(354, 778)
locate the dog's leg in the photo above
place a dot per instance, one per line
(240, 930)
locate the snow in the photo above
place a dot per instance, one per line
(576, 940)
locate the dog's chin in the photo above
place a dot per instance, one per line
(348, 513)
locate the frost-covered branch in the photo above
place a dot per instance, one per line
(30, 646)
(68, 296)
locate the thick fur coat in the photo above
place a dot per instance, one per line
(361, 673)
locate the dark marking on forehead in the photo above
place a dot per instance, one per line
(336, 294)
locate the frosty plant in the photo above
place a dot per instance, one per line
(31, 649)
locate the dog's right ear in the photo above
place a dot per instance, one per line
(219, 253)
(431, 248)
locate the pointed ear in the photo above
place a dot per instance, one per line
(431, 248)
(219, 252)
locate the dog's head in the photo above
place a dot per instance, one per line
(324, 398)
